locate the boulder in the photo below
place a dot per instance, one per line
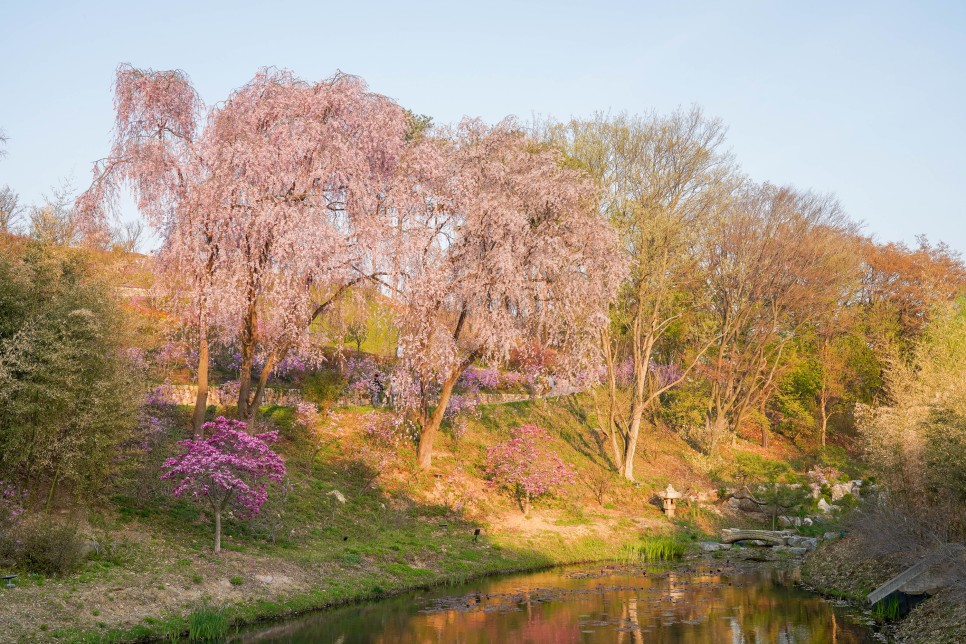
(830, 535)
(816, 490)
(338, 496)
(712, 546)
(707, 497)
(792, 550)
(840, 489)
(824, 506)
(809, 543)
(850, 487)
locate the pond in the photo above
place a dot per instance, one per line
(707, 601)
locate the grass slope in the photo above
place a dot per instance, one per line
(155, 575)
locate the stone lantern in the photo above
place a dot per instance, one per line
(670, 497)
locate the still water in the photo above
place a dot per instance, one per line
(703, 602)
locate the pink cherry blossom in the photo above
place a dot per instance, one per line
(504, 248)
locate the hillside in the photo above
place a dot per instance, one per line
(151, 564)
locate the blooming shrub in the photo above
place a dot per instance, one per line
(307, 415)
(475, 379)
(228, 392)
(366, 379)
(525, 466)
(229, 467)
(160, 396)
(291, 368)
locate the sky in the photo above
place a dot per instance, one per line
(861, 99)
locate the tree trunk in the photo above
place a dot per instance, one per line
(823, 408)
(248, 355)
(201, 400)
(217, 529)
(245, 382)
(270, 363)
(430, 426)
(630, 448)
(641, 359)
(611, 398)
(715, 428)
(53, 487)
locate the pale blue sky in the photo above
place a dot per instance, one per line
(863, 99)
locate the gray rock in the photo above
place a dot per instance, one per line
(824, 506)
(806, 521)
(830, 535)
(840, 489)
(712, 546)
(809, 543)
(792, 550)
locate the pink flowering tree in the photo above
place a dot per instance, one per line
(270, 205)
(507, 249)
(526, 467)
(303, 169)
(229, 468)
(159, 154)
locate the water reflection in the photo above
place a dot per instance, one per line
(710, 602)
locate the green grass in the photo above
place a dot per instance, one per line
(887, 610)
(207, 624)
(655, 548)
(382, 541)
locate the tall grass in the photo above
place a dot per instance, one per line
(657, 548)
(887, 610)
(207, 624)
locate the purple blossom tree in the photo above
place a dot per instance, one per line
(526, 467)
(229, 468)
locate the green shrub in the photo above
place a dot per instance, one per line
(236, 580)
(323, 387)
(836, 458)
(50, 548)
(752, 468)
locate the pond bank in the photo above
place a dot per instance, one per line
(171, 591)
(845, 569)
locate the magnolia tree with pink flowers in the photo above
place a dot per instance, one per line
(229, 468)
(526, 467)
(506, 250)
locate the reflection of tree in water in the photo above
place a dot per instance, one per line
(707, 603)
